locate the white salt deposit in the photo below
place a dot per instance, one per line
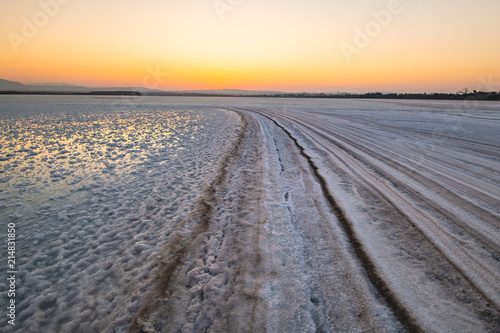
(95, 191)
(249, 214)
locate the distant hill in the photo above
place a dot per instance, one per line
(51, 87)
(40, 87)
(10, 85)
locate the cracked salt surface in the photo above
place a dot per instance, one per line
(95, 189)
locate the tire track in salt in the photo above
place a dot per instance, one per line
(446, 193)
(444, 246)
(209, 273)
(400, 311)
(179, 246)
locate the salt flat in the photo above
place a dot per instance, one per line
(239, 215)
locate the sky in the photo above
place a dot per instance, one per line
(279, 45)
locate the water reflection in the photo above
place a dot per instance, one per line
(45, 155)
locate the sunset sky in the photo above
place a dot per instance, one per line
(285, 45)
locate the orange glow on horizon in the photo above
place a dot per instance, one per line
(257, 46)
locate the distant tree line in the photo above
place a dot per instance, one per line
(476, 95)
(462, 95)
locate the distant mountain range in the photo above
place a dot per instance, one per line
(10, 87)
(49, 87)
(63, 87)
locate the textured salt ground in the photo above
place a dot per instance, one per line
(356, 216)
(88, 241)
(250, 264)
(434, 245)
(354, 231)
